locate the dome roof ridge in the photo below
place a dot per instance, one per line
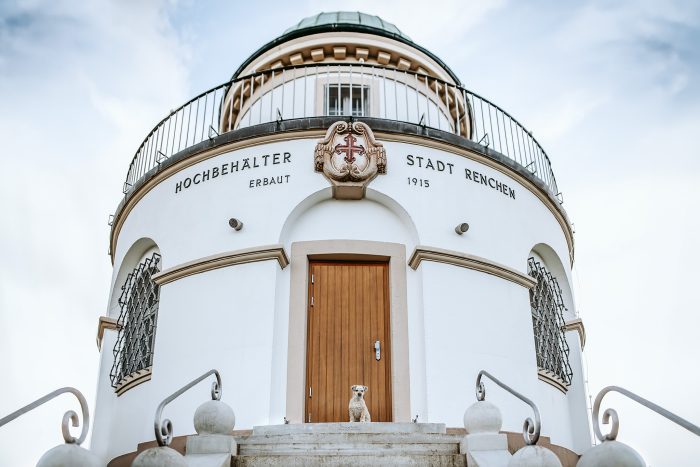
(338, 18)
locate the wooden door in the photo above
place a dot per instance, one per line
(348, 311)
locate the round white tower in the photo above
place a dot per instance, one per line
(343, 211)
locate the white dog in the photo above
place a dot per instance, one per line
(357, 407)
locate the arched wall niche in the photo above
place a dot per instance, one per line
(351, 219)
(305, 204)
(141, 249)
(547, 256)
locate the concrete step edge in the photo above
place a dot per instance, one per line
(355, 437)
(349, 450)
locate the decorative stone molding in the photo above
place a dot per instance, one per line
(577, 325)
(208, 263)
(133, 380)
(317, 55)
(105, 323)
(339, 52)
(552, 379)
(296, 59)
(383, 58)
(349, 166)
(361, 53)
(464, 260)
(347, 250)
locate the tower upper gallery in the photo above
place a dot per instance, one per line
(352, 66)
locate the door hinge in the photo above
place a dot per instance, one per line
(310, 391)
(308, 419)
(312, 278)
(312, 300)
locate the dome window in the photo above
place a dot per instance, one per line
(347, 99)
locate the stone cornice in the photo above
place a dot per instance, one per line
(464, 260)
(577, 325)
(103, 324)
(222, 260)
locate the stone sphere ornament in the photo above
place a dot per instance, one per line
(534, 456)
(482, 417)
(611, 453)
(161, 456)
(69, 455)
(214, 418)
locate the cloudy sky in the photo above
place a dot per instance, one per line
(610, 88)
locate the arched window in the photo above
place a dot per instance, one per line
(547, 308)
(138, 304)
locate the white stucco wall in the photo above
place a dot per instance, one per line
(235, 319)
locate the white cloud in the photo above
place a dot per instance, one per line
(81, 84)
(610, 89)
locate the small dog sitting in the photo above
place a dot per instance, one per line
(357, 407)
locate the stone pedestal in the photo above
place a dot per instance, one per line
(483, 445)
(213, 445)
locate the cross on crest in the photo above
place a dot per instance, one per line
(349, 148)
(362, 158)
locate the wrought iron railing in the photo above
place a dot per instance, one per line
(164, 428)
(531, 428)
(609, 414)
(327, 90)
(69, 418)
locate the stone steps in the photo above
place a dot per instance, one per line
(448, 444)
(433, 460)
(349, 448)
(347, 427)
(351, 444)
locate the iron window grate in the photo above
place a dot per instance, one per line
(133, 350)
(347, 99)
(547, 307)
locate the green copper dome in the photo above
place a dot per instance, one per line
(345, 21)
(355, 18)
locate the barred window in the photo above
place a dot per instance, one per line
(138, 302)
(347, 99)
(547, 308)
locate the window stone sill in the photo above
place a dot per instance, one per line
(133, 380)
(552, 379)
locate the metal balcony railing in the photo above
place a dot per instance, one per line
(337, 90)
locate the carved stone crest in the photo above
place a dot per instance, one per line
(350, 158)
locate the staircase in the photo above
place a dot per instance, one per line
(350, 444)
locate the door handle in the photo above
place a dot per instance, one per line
(377, 350)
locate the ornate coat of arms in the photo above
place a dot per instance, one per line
(350, 158)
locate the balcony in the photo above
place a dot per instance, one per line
(342, 90)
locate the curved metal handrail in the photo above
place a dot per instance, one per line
(612, 414)
(531, 429)
(196, 120)
(69, 416)
(164, 429)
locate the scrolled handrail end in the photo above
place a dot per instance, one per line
(70, 417)
(531, 428)
(164, 429)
